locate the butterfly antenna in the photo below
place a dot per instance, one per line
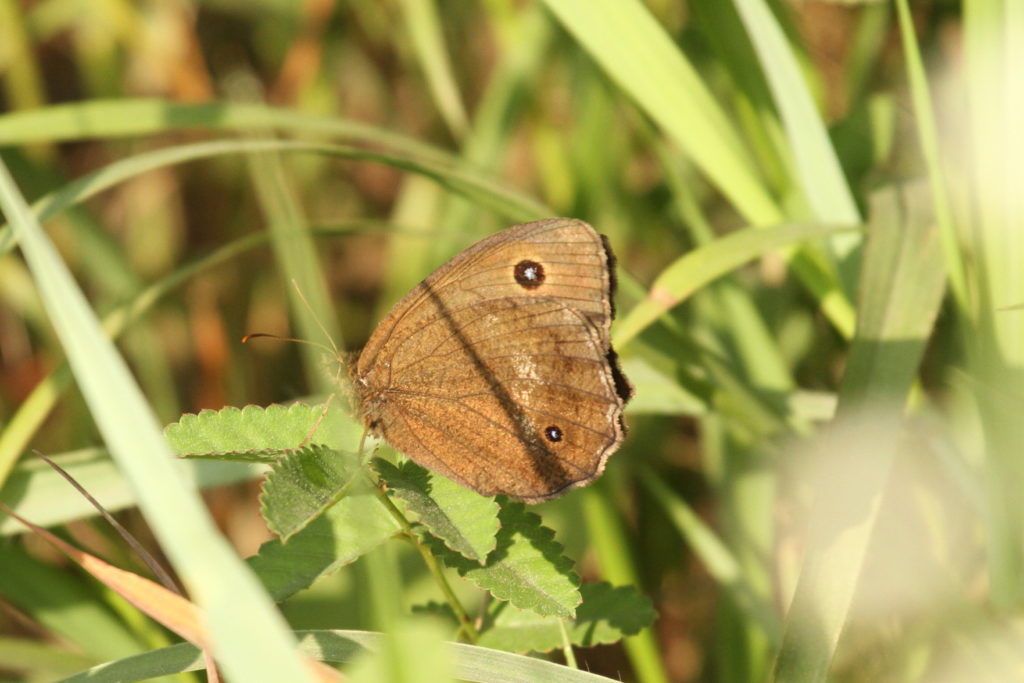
(316, 318)
(266, 335)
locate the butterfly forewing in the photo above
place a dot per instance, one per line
(575, 267)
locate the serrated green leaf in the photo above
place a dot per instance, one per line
(252, 429)
(527, 567)
(606, 615)
(466, 521)
(348, 529)
(302, 485)
(266, 457)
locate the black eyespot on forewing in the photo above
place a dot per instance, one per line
(529, 274)
(553, 434)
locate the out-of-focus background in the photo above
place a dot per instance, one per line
(823, 466)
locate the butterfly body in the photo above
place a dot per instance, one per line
(497, 371)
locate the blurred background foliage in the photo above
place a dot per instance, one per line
(819, 409)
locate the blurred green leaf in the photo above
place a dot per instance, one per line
(606, 615)
(425, 30)
(987, 139)
(41, 660)
(413, 652)
(902, 283)
(66, 608)
(298, 260)
(658, 393)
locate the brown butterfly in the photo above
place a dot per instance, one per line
(497, 370)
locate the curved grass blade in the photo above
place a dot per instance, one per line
(472, 663)
(695, 269)
(446, 171)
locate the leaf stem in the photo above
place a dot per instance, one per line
(466, 626)
(570, 656)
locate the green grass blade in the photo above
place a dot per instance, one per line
(239, 612)
(472, 663)
(40, 660)
(928, 137)
(125, 118)
(903, 283)
(716, 556)
(817, 168)
(637, 54)
(122, 170)
(993, 234)
(424, 28)
(610, 544)
(411, 651)
(67, 609)
(128, 117)
(695, 269)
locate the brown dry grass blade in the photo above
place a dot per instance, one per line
(150, 561)
(170, 609)
(163, 605)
